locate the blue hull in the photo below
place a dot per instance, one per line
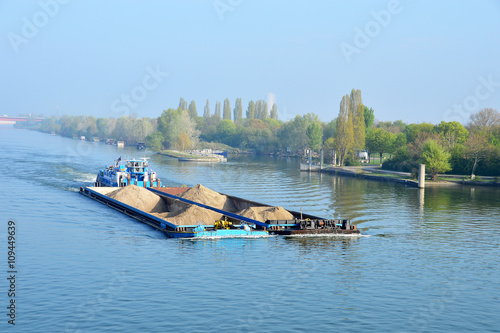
(231, 233)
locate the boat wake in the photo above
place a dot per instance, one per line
(228, 237)
(327, 235)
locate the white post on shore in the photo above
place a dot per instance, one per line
(421, 176)
(310, 159)
(321, 163)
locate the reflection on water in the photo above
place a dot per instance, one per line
(323, 244)
(347, 198)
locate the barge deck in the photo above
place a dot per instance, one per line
(235, 225)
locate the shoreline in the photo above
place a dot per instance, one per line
(184, 157)
(358, 172)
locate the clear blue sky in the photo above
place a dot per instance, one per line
(414, 65)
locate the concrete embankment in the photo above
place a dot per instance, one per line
(359, 173)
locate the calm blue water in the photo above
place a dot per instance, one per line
(429, 261)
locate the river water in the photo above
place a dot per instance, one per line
(428, 261)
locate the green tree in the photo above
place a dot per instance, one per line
(274, 112)
(251, 110)
(193, 113)
(315, 135)
(330, 129)
(206, 110)
(50, 124)
(272, 124)
(292, 135)
(400, 125)
(435, 158)
(369, 117)
(329, 147)
(123, 128)
(188, 125)
(258, 110)
(398, 142)
(477, 148)
(140, 129)
(172, 122)
(226, 131)
(183, 104)
(379, 140)
(238, 111)
(344, 140)
(226, 113)
(217, 113)
(183, 142)
(155, 141)
(452, 133)
(265, 111)
(168, 126)
(105, 126)
(356, 110)
(412, 131)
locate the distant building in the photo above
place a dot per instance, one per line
(363, 154)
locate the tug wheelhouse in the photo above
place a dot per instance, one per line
(127, 172)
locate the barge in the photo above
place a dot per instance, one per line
(197, 212)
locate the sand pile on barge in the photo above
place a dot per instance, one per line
(183, 214)
(191, 216)
(206, 196)
(149, 202)
(263, 214)
(139, 198)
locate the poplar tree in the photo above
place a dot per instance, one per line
(193, 113)
(258, 109)
(217, 111)
(183, 104)
(345, 136)
(251, 110)
(206, 110)
(238, 111)
(369, 118)
(274, 112)
(357, 112)
(265, 111)
(226, 113)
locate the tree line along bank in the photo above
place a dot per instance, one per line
(448, 147)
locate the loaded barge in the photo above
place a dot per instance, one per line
(197, 212)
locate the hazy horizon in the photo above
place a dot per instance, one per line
(413, 61)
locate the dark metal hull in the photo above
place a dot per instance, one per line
(327, 231)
